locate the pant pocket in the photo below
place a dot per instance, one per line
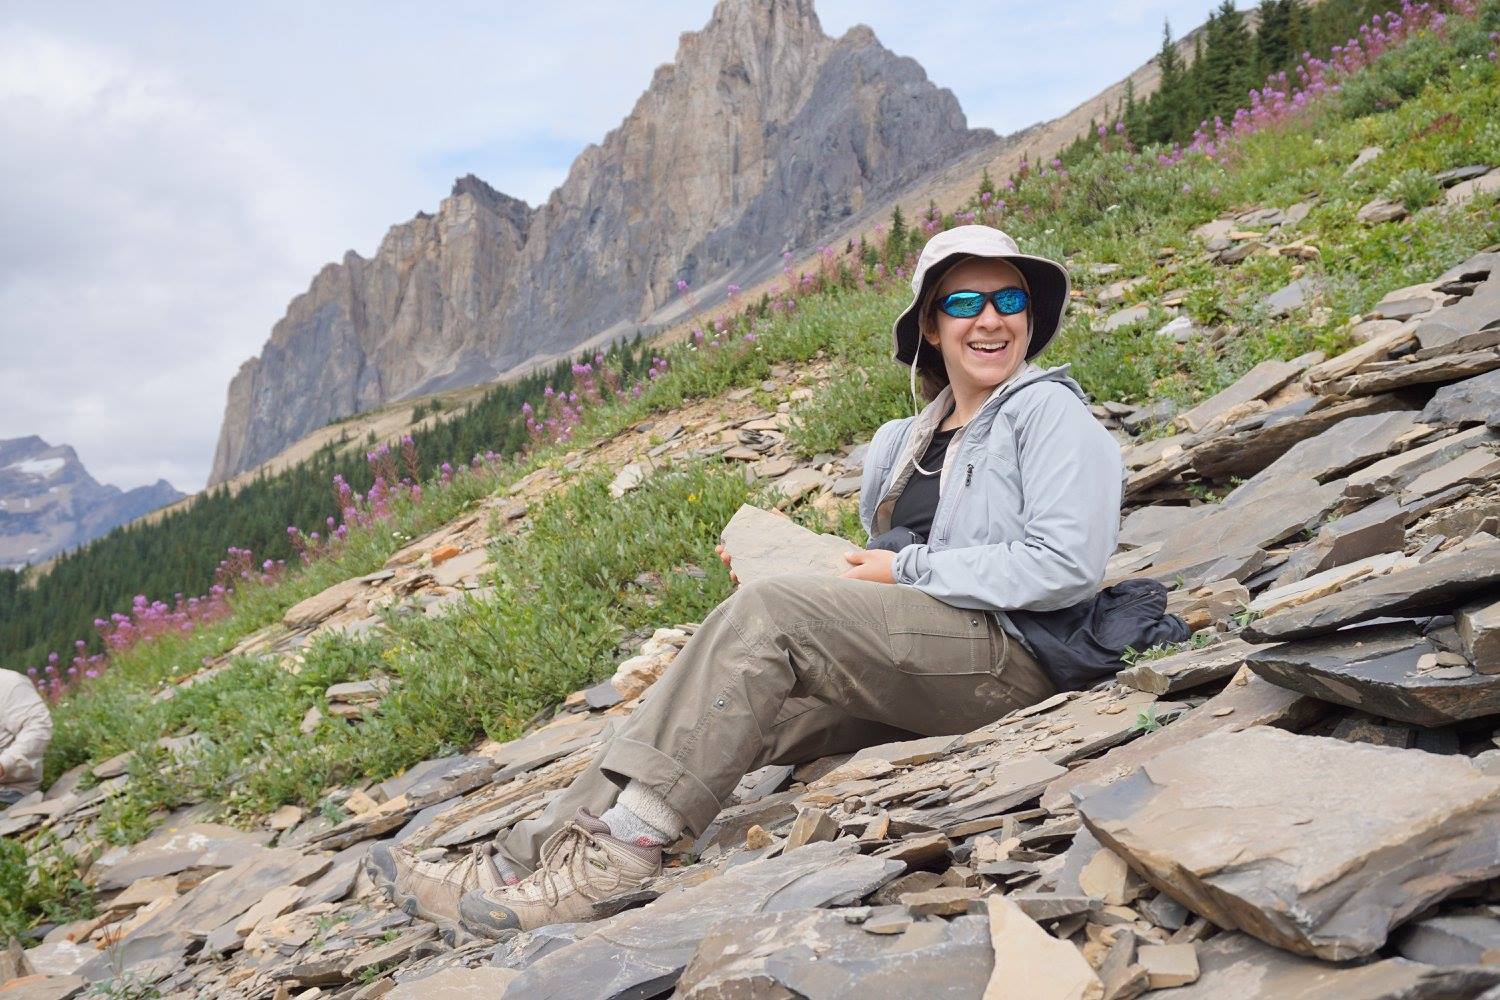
(929, 637)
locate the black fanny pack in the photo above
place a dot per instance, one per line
(1080, 646)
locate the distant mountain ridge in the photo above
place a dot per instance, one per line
(49, 503)
(761, 136)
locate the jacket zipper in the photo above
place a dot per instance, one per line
(953, 506)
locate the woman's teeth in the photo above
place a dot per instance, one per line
(990, 348)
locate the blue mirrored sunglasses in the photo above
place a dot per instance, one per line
(968, 304)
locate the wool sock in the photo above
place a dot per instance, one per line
(642, 817)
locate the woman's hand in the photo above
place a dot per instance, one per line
(724, 555)
(870, 564)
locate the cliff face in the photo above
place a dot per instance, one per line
(49, 503)
(760, 136)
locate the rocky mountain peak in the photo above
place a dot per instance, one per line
(49, 503)
(760, 136)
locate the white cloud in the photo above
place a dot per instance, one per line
(172, 173)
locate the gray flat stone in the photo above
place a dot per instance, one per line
(1238, 967)
(1237, 452)
(1376, 668)
(1346, 445)
(1457, 940)
(642, 952)
(227, 894)
(483, 983)
(1125, 317)
(147, 957)
(1190, 668)
(45, 988)
(819, 955)
(1455, 175)
(1478, 627)
(1158, 523)
(444, 779)
(762, 544)
(1472, 401)
(1236, 532)
(173, 850)
(1451, 324)
(1311, 844)
(1290, 297)
(1438, 584)
(1258, 383)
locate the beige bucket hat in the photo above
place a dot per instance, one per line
(1047, 284)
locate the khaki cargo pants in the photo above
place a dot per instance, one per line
(789, 669)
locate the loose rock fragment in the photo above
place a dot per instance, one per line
(1031, 964)
(1168, 965)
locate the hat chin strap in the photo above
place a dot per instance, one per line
(915, 409)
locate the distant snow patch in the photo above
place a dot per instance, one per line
(42, 467)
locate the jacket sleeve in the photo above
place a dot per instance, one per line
(26, 715)
(1070, 472)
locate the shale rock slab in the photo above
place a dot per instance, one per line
(820, 955)
(1314, 845)
(762, 544)
(642, 952)
(1392, 671)
(1238, 967)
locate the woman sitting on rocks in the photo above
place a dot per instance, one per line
(1002, 495)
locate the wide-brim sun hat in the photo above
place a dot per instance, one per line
(1046, 280)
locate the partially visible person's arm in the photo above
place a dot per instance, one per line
(26, 715)
(1070, 473)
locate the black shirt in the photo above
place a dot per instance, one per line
(918, 501)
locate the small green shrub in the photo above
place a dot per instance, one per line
(1413, 188)
(40, 881)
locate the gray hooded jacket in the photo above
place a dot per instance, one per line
(25, 731)
(1028, 500)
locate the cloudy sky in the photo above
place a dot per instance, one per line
(171, 174)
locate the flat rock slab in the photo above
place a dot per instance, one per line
(763, 543)
(484, 983)
(640, 953)
(44, 988)
(1462, 940)
(1246, 701)
(1435, 585)
(1377, 669)
(1311, 844)
(1258, 383)
(1031, 964)
(819, 955)
(323, 605)
(1343, 446)
(1238, 967)
(1472, 401)
(227, 894)
(1187, 669)
(173, 850)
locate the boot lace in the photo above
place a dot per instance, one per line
(568, 848)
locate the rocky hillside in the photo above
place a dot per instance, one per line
(1306, 794)
(49, 503)
(759, 137)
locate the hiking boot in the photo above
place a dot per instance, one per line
(430, 889)
(581, 864)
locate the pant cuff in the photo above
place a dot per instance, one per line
(691, 798)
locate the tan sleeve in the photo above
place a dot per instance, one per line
(26, 715)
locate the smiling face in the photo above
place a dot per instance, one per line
(985, 350)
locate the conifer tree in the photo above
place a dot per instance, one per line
(1228, 60)
(896, 239)
(1168, 106)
